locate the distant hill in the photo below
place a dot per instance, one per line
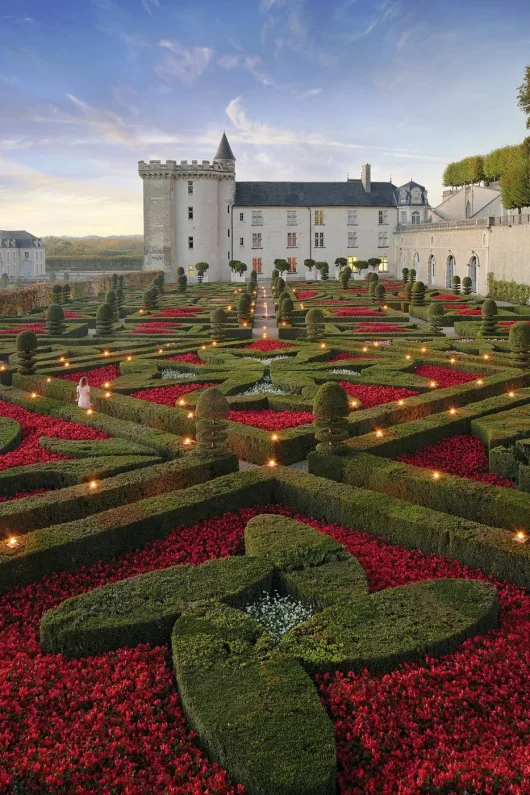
(115, 245)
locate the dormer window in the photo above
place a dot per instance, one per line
(415, 195)
(403, 197)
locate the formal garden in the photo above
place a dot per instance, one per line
(283, 550)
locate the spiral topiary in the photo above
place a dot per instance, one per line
(218, 320)
(488, 326)
(111, 300)
(331, 409)
(280, 298)
(154, 297)
(55, 320)
(324, 272)
(371, 291)
(180, 271)
(412, 276)
(467, 285)
(211, 412)
(26, 347)
(344, 279)
(418, 294)
(104, 319)
(314, 321)
(456, 284)
(275, 273)
(121, 281)
(120, 297)
(379, 292)
(279, 285)
(435, 313)
(286, 310)
(243, 308)
(405, 275)
(114, 281)
(66, 293)
(182, 283)
(519, 339)
(57, 293)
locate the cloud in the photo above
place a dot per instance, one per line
(311, 92)
(229, 61)
(264, 158)
(149, 5)
(181, 64)
(250, 63)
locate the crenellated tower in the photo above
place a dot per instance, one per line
(187, 213)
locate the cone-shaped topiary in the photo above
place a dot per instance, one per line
(456, 284)
(418, 294)
(158, 282)
(280, 285)
(66, 293)
(331, 409)
(218, 320)
(154, 297)
(182, 283)
(408, 290)
(286, 310)
(55, 320)
(114, 281)
(148, 300)
(488, 326)
(314, 321)
(467, 285)
(57, 293)
(26, 347)
(280, 298)
(520, 344)
(344, 279)
(379, 292)
(371, 291)
(405, 275)
(243, 308)
(412, 275)
(435, 314)
(180, 271)
(373, 277)
(324, 271)
(211, 412)
(275, 273)
(121, 281)
(104, 319)
(120, 297)
(112, 301)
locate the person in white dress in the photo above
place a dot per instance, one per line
(83, 394)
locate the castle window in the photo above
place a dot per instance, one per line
(26, 254)
(415, 217)
(228, 209)
(190, 242)
(352, 217)
(403, 218)
(319, 217)
(190, 213)
(383, 216)
(256, 264)
(382, 240)
(292, 265)
(383, 266)
(292, 219)
(352, 239)
(256, 240)
(190, 186)
(240, 216)
(228, 230)
(291, 239)
(241, 241)
(319, 239)
(257, 218)
(352, 263)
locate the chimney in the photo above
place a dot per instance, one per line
(366, 177)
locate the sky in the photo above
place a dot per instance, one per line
(305, 90)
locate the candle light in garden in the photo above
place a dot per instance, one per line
(424, 350)
(106, 353)
(108, 394)
(452, 411)
(271, 462)
(190, 415)
(408, 357)
(67, 364)
(401, 402)
(93, 485)
(433, 384)
(520, 536)
(129, 358)
(480, 381)
(511, 394)
(379, 433)
(89, 412)
(48, 380)
(486, 356)
(452, 360)
(365, 349)
(12, 542)
(187, 441)
(274, 437)
(436, 476)
(34, 395)
(182, 402)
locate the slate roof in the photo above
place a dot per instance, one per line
(408, 187)
(314, 194)
(224, 150)
(22, 238)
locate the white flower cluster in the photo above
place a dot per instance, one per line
(343, 371)
(262, 387)
(266, 362)
(176, 374)
(278, 614)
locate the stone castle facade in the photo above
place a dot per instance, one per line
(22, 255)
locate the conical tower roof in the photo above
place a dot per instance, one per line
(224, 152)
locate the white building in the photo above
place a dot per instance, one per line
(22, 256)
(196, 212)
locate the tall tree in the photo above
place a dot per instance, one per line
(523, 95)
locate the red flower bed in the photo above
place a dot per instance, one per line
(269, 420)
(469, 312)
(305, 295)
(266, 345)
(113, 723)
(168, 395)
(95, 377)
(358, 311)
(33, 426)
(188, 358)
(37, 328)
(452, 307)
(373, 395)
(69, 315)
(447, 297)
(378, 328)
(444, 376)
(508, 323)
(340, 357)
(22, 494)
(183, 311)
(464, 456)
(155, 328)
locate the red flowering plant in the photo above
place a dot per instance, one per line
(187, 358)
(95, 377)
(155, 328)
(22, 494)
(464, 456)
(34, 425)
(305, 295)
(446, 297)
(452, 307)
(358, 311)
(342, 357)
(269, 420)
(508, 323)
(168, 395)
(37, 328)
(379, 328)
(266, 345)
(69, 315)
(183, 311)
(113, 723)
(470, 312)
(371, 395)
(445, 376)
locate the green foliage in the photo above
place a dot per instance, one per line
(331, 408)
(374, 262)
(519, 339)
(182, 283)
(120, 297)
(114, 281)
(286, 310)
(55, 320)
(244, 307)
(515, 187)
(380, 292)
(456, 284)
(467, 284)
(435, 314)
(180, 271)
(405, 275)
(309, 264)
(66, 293)
(212, 410)
(4, 279)
(523, 95)
(466, 171)
(26, 347)
(344, 278)
(508, 291)
(201, 268)
(342, 262)
(279, 285)
(275, 274)
(314, 321)
(240, 267)
(418, 294)
(281, 265)
(218, 320)
(104, 319)
(412, 276)
(371, 290)
(57, 293)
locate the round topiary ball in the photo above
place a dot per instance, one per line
(212, 404)
(218, 316)
(105, 312)
(55, 314)
(27, 341)
(489, 308)
(331, 401)
(314, 317)
(435, 309)
(519, 336)
(275, 273)
(373, 277)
